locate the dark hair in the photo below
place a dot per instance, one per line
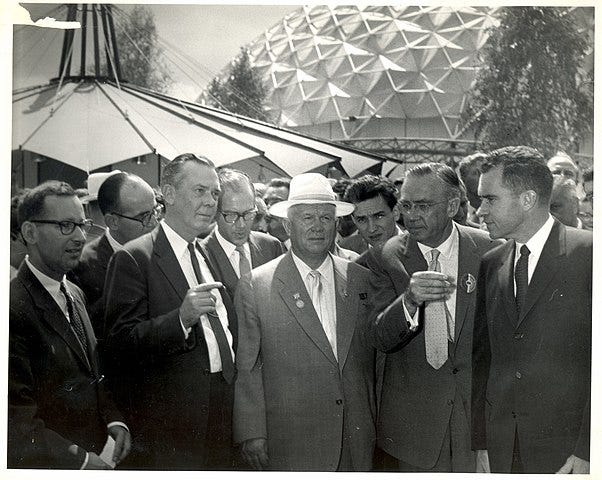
(279, 182)
(233, 180)
(588, 175)
(445, 173)
(523, 168)
(471, 162)
(169, 176)
(371, 186)
(32, 203)
(109, 192)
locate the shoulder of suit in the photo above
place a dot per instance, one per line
(144, 243)
(267, 269)
(480, 237)
(261, 237)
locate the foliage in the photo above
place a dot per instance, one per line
(531, 89)
(140, 56)
(241, 91)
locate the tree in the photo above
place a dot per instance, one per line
(241, 92)
(139, 54)
(531, 89)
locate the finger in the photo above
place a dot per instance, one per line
(263, 460)
(127, 446)
(204, 287)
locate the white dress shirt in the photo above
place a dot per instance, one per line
(53, 287)
(231, 252)
(535, 245)
(180, 249)
(448, 259)
(328, 316)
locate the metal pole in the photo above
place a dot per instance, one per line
(71, 35)
(114, 40)
(82, 71)
(103, 16)
(96, 56)
(66, 36)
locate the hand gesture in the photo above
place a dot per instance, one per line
(198, 301)
(255, 452)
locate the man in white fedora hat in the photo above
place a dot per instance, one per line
(304, 396)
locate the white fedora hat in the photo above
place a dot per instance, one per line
(95, 180)
(310, 188)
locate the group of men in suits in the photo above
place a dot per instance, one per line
(442, 348)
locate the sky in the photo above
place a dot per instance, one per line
(211, 34)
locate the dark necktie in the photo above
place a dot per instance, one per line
(244, 266)
(216, 325)
(521, 276)
(74, 318)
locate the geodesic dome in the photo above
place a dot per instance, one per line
(369, 71)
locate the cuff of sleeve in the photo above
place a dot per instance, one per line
(412, 321)
(184, 329)
(118, 424)
(85, 464)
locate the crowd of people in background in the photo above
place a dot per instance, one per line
(439, 322)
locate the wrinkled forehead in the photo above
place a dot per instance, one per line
(562, 164)
(312, 208)
(62, 207)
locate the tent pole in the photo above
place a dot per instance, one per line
(95, 30)
(82, 71)
(114, 41)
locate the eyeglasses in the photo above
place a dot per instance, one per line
(68, 227)
(232, 217)
(421, 207)
(147, 219)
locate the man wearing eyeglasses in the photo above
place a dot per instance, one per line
(59, 414)
(232, 246)
(129, 208)
(425, 327)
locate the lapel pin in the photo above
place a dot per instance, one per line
(299, 302)
(469, 283)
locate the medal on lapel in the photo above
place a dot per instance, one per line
(469, 283)
(300, 303)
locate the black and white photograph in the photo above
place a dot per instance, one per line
(300, 239)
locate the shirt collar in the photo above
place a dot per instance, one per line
(50, 284)
(229, 247)
(447, 248)
(325, 268)
(536, 243)
(115, 245)
(178, 244)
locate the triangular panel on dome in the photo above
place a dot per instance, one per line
(328, 112)
(303, 76)
(390, 107)
(419, 105)
(351, 84)
(285, 78)
(382, 83)
(365, 63)
(300, 43)
(385, 41)
(407, 26)
(360, 30)
(413, 82)
(335, 91)
(349, 107)
(449, 104)
(307, 56)
(378, 26)
(442, 17)
(315, 90)
(389, 65)
(333, 65)
(405, 59)
(332, 51)
(404, 80)
(416, 38)
(279, 48)
(431, 57)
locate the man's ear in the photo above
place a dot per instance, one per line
(169, 194)
(29, 231)
(111, 221)
(452, 207)
(528, 199)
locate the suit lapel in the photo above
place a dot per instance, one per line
(346, 309)
(546, 268)
(468, 263)
(168, 263)
(506, 281)
(52, 314)
(256, 256)
(295, 296)
(89, 331)
(413, 260)
(218, 262)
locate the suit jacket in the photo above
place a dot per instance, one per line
(90, 274)
(417, 400)
(163, 379)
(290, 388)
(263, 248)
(531, 372)
(56, 395)
(354, 242)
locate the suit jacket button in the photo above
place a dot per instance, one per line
(455, 370)
(204, 409)
(450, 402)
(518, 336)
(339, 401)
(518, 375)
(206, 371)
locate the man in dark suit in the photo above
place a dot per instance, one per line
(375, 214)
(129, 208)
(59, 414)
(172, 331)
(425, 327)
(305, 388)
(532, 335)
(232, 246)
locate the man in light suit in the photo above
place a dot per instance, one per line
(59, 413)
(424, 416)
(532, 335)
(172, 331)
(232, 246)
(129, 208)
(304, 397)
